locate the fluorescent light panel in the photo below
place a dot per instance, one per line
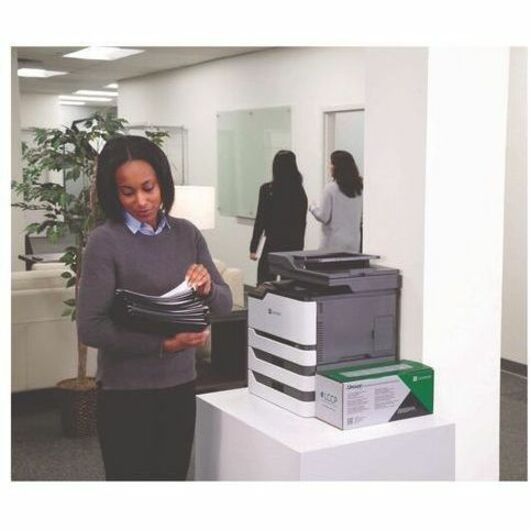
(76, 103)
(38, 72)
(103, 53)
(112, 85)
(66, 97)
(97, 93)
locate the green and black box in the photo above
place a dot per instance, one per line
(357, 396)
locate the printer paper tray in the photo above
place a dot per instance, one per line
(305, 409)
(305, 383)
(303, 357)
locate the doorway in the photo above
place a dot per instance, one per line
(344, 130)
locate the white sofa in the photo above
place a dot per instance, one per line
(234, 278)
(44, 343)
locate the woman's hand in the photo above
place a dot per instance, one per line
(188, 339)
(199, 279)
(253, 256)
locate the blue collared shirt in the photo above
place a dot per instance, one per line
(145, 228)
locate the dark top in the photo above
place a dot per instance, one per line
(281, 218)
(116, 258)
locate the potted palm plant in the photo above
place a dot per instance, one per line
(73, 152)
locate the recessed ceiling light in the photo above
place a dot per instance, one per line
(103, 53)
(76, 103)
(97, 93)
(66, 97)
(111, 85)
(38, 72)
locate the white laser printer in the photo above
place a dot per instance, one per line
(326, 311)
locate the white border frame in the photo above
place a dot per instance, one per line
(328, 128)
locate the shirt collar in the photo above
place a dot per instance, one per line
(134, 225)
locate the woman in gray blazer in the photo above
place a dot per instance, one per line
(340, 211)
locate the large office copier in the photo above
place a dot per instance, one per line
(328, 310)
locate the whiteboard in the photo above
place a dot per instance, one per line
(247, 141)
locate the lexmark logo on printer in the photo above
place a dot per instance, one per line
(272, 312)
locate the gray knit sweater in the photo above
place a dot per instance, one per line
(116, 258)
(341, 219)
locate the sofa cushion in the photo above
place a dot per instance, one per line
(35, 305)
(38, 279)
(41, 266)
(234, 278)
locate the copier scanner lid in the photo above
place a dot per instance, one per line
(325, 268)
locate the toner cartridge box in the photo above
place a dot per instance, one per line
(357, 396)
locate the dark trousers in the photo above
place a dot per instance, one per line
(264, 275)
(146, 434)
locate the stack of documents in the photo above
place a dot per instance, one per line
(173, 312)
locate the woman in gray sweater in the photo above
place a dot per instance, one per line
(146, 381)
(340, 211)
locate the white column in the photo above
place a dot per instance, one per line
(464, 211)
(444, 228)
(17, 217)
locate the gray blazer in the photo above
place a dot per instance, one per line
(341, 220)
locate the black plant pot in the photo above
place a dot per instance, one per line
(77, 401)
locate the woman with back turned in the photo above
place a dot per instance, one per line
(282, 210)
(341, 209)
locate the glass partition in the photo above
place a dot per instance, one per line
(247, 141)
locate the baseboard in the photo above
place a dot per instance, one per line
(514, 367)
(30, 401)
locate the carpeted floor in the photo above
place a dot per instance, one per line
(514, 418)
(40, 452)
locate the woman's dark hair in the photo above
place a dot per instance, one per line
(116, 152)
(288, 198)
(346, 174)
(285, 174)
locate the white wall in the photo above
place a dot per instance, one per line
(69, 113)
(17, 216)
(514, 307)
(394, 192)
(44, 110)
(307, 79)
(39, 110)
